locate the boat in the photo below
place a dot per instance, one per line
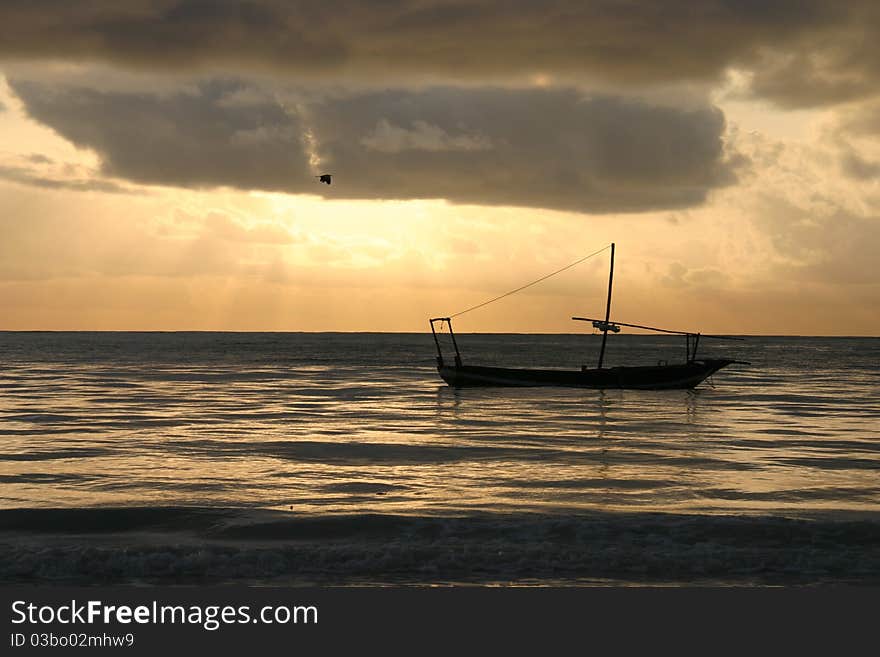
(660, 376)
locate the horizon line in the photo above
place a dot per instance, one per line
(364, 332)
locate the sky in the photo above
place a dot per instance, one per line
(158, 164)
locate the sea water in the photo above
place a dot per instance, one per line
(343, 457)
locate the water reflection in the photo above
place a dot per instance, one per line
(334, 433)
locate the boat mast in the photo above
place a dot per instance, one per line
(607, 309)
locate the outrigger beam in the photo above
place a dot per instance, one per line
(448, 321)
(654, 328)
(690, 348)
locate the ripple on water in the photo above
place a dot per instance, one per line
(361, 423)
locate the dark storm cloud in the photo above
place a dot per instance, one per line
(547, 148)
(837, 63)
(192, 139)
(543, 148)
(803, 52)
(170, 33)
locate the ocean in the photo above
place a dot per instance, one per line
(342, 458)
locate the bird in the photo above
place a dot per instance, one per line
(324, 178)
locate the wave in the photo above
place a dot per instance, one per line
(162, 545)
(53, 454)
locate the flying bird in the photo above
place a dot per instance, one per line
(324, 178)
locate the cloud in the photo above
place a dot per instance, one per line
(52, 236)
(861, 120)
(39, 158)
(25, 176)
(422, 136)
(803, 52)
(169, 33)
(858, 167)
(186, 139)
(224, 227)
(551, 148)
(822, 244)
(828, 63)
(853, 134)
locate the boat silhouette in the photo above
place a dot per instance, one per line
(660, 376)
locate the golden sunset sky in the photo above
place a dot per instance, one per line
(158, 163)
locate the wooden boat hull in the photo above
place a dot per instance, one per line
(651, 377)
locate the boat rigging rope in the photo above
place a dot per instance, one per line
(543, 278)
